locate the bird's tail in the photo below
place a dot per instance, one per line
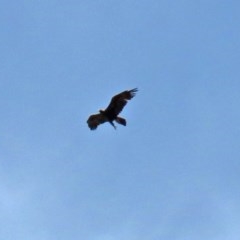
(121, 121)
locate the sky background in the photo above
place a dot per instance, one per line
(173, 173)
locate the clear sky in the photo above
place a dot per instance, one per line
(173, 173)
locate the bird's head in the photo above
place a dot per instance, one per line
(101, 111)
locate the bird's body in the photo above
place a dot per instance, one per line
(110, 114)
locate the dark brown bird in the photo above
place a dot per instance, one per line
(110, 114)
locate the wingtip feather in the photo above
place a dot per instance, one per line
(133, 92)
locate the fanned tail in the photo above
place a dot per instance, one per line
(121, 121)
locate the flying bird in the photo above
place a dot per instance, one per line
(110, 114)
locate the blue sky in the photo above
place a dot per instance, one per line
(172, 173)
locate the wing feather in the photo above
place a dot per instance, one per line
(95, 120)
(119, 101)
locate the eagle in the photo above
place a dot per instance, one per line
(110, 114)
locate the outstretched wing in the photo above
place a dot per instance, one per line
(95, 120)
(119, 101)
